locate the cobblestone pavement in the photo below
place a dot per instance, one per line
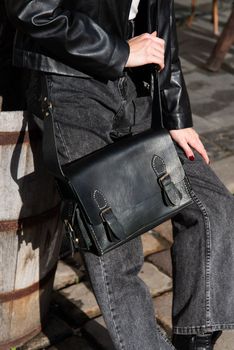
(75, 321)
(220, 143)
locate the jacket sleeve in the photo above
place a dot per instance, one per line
(70, 37)
(175, 100)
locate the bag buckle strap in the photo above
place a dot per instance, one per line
(69, 215)
(104, 212)
(164, 180)
(173, 195)
(74, 240)
(115, 229)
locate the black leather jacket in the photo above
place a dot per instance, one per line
(89, 38)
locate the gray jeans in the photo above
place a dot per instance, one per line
(90, 114)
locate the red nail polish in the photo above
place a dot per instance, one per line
(191, 158)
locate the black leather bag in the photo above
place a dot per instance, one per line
(120, 191)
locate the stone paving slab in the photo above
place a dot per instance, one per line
(211, 96)
(219, 143)
(156, 281)
(202, 125)
(65, 276)
(165, 230)
(224, 168)
(162, 261)
(224, 138)
(225, 118)
(214, 150)
(55, 331)
(226, 341)
(153, 243)
(163, 307)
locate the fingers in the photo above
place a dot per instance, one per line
(157, 40)
(157, 57)
(199, 147)
(150, 40)
(157, 51)
(187, 150)
(146, 49)
(154, 49)
(189, 140)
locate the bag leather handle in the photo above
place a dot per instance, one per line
(157, 123)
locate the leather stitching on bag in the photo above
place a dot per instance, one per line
(154, 166)
(97, 192)
(95, 238)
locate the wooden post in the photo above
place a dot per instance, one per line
(222, 46)
(215, 15)
(215, 12)
(191, 17)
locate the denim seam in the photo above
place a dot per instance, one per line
(164, 337)
(207, 257)
(123, 101)
(112, 313)
(49, 86)
(203, 328)
(120, 111)
(66, 149)
(187, 187)
(122, 88)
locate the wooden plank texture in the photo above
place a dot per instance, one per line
(30, 234)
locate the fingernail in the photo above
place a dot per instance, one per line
(191, 158)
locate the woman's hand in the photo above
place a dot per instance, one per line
(146, 48)
(189, 137)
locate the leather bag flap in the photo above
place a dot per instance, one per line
(117, 182)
